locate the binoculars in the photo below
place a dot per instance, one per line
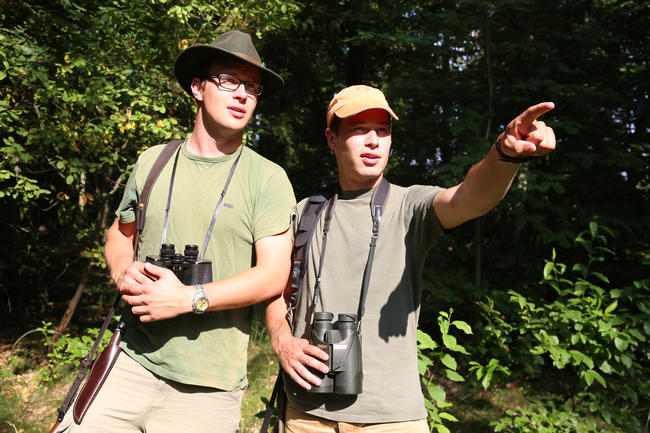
(342, 342)
(187, 266)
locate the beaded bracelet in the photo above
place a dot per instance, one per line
(506, 158)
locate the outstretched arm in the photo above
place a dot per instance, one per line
(295, 354)
(487, 182)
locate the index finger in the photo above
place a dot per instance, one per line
(532, 113)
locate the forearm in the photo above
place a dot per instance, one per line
(252, 286)
(486, 184)
(276, 321)
(118, 250)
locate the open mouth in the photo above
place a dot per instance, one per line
(237, 111)
(370, 158)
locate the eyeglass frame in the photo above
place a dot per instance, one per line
(218, 81)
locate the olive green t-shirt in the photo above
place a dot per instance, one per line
(208, 349)
(409, 226)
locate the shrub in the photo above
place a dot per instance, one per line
(586, 349)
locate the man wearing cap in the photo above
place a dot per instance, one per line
(187, 373)
(359, 133)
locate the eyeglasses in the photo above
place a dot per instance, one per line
(230, 83)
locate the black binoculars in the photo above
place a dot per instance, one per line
(342, 342)
(187, 267)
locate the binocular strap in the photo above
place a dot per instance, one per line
(216, 210)
(377, 201)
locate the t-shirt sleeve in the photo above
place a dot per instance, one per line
(421, 215)
(126, 210)
(274, 207)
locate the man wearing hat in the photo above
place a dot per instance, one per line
(343, 265)
(187, 373)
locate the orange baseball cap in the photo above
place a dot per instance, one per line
(355, 99)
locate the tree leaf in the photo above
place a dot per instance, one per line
(449, 361)
(611, 307)
(437, 393)
(621, 344)
(452, 375)
(463, 326)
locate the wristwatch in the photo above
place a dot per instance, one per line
(200, 303)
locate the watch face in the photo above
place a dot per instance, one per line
(201, 304)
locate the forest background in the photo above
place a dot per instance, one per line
(535, 317)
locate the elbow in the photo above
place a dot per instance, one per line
(277, 280)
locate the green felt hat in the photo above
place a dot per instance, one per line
(234, 45)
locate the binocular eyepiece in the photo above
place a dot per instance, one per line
(342, 342)
(187, 267)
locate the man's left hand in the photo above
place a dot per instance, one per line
(526, 136)
(163, 298)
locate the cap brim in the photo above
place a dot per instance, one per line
(344, 112)
(192, 58)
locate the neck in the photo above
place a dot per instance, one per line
(356, 185)
(213, 141)
(202, 144)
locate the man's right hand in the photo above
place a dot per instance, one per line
(133, 274)
(296, 354)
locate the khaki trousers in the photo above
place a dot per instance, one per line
(133, 399)
(301, 422)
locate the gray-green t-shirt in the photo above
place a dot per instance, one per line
(209, 349)
(409, 226)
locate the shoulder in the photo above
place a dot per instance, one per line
(415, 201)
(148, 156)
(316, 198)
(255, 159)
(414, 193)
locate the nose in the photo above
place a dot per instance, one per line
(372, 139)
(240, 93)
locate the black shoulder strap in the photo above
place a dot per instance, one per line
(157, 167)
(306, 225)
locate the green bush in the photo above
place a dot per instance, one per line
(586, 350)
(436, 361)
(541, 419)
(68, 351)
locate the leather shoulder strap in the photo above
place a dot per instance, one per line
(157, 167)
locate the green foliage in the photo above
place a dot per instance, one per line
(541, 419)
(590, 341)
(68, 351)
(438, 360)
(486, 373)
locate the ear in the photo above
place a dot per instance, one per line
(197, 89)
(330, 139)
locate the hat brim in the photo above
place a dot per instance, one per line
(192, 58)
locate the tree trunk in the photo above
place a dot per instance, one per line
(478, 241)
(72, 306)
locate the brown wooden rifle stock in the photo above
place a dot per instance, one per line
(98, 373)
(85, 365)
